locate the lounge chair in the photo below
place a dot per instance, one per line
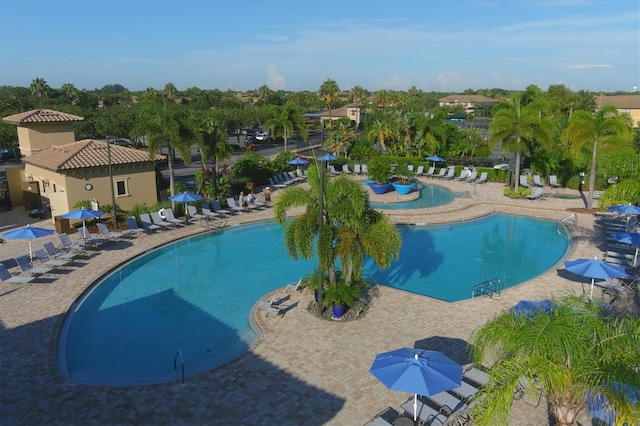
(104, 231)
(294, 286)
(525, 391)
(89, 239)
(301, 174)
(553, 182)
(333, 170)
(45, 260)
(147, 223)
(345, 169)
(282, 180)
(232, 205)
(483, 178)
(132, 225)
(424, 412)
(275, 184)
(441, 174)
(447, 403)
(275, 310)
(194, 215)
(465, 390)
(218, 209)
(410, 167)
(365, 169)
(27, 267)
(430, 172)
(464, 174)
(171, 218)
(472, 177)
(537, 181)
(536, 195)
(419, 171)
(267, 303)
(208, 213)
(294, 178)
(450, 174)
(523, 181)
(70, 245)
(356, 169)
(57, 253)
(157, 219)
(477, 376)
(5, 276)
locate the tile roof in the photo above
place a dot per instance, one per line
(41, 116)
(474, 99)
(86, 153)
(620, 101)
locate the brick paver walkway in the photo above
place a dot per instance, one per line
(303, 371)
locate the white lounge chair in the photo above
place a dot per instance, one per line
(536, 195)
(56, 253)
(472, 177)
(451, 172)
(430, 172)
(231, 203)
(410, 167)
(267, 303)
(356, 169)
(157, 219)
(147, 223)
(27, 267)
(365, 169)
(333, 170)
(441, 173)
(419, 171)
(294, 286)
(171, 218)
(483, 178)
(464, 174)
(537, 181)
(345, 169)
(553, 182)
(195, 216)
(5, 276)
(523, 181)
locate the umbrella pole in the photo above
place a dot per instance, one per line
(30, 251)
(415, 407)
(591, 292)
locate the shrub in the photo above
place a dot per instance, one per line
(520, 193)
(626, 192)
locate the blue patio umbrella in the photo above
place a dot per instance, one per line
(417, 371)
(83, 214)
(186, 197)
(631, 238)
(435, 159)
(625, 209)
(298, 161)
(327, 157)
(27, 233)
(599, 407)
(528, 308)
(595, 269)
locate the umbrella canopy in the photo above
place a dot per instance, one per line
(529, 308)
(83, 214)
(594, 269)
(27, 233)
(298, 161)
(435, 159)
(186, 197)
(327, 157)
(417, 371)
(625, 209)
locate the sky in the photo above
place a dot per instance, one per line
(293, 45)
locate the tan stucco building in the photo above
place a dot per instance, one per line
(351, 111)
(626, 104)
(469, 102)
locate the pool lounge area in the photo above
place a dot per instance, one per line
(302, 371)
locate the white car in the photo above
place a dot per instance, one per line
(503, 166)
(263, 136)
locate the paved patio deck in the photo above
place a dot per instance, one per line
(302, 372)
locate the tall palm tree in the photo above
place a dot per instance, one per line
(39, 87)
(607, 127)
(287, 120)
(514, 123)
(568, 352)
(264, 93)
(383, 99)
(213, 145)
(329, 91)
(70, 92)
(358, 94)
(340, 139)
(350, 229)
(380, 130)
(170, 91)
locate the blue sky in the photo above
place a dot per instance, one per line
(434, 45)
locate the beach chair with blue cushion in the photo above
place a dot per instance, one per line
(57, 253)
(218, 209)
(5, 276)
(45, 260)
(147, 223)
(27, 267)
(132, 225)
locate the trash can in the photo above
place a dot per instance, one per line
(62, 225)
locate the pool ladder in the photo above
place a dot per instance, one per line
(175, 364)
(571, 219)
(488, 287)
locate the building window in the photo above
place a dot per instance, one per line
(122, 187)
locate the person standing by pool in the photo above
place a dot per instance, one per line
(241, 200)
(267, 196)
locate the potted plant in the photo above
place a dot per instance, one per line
(405, 183)
(340, 297)
(379, 170)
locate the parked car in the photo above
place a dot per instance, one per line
(10, 154)
(263, 136)
(249, 140)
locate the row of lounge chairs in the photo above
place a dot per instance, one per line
(537, 182)
(448, 173)
(285, 179)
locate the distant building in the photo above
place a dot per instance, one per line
(626, 104)
(469, 102)
(351, 111)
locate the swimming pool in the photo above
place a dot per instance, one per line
(191, 299)
(430, 196)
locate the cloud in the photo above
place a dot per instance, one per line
(394, 82)
(588, 66)
(275, 80)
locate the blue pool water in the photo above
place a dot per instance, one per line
(430, 196)
(194, 296)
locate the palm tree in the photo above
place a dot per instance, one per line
(329, 91)
(39, 87)
(381, 130)
(607, 127)
(170, 91)
(358, 94)
(340, 139)
(383, 99)
(350, 229)
(264, 93)
(213, 145)
(286, 121)
(70, 93)
(514, 123)
(568, 352)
